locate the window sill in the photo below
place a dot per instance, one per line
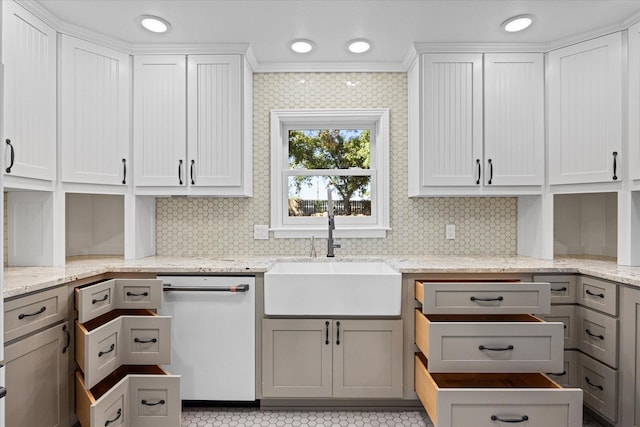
(338, 233)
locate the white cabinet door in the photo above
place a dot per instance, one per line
(159, 111)
(214, 122)
(451, 152)
(585, 118)
(95, 113)
(29, 57)
(634, 101)
(514, 119)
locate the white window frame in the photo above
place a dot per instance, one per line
(374, 226)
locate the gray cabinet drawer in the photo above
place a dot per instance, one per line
(32, 312)
(598, 336)
(598, 294)
(568, 377)
(600, 385)
(483, 297)
(98, 299)
(563, 287)
(568, 315)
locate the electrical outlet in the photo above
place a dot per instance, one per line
(261, 232)
(450, 231)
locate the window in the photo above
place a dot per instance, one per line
(347, 150)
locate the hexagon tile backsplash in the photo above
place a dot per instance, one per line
(224, 226)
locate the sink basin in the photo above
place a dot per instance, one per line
(332, 289)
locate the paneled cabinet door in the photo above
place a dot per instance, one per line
(95, 113)
(451, 152)
(29, 58)
(585, 111)
(159, 116)
(630, 357)
(513, 119)
(214, 123)
(634, 101)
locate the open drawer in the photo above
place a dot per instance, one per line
(483, 297)
(133, 396)
(483, 400)
(489, 343)
(131, 337)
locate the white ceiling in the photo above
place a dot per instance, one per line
(391, 25)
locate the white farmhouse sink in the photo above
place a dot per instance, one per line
(332, 289)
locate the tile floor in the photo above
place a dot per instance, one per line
(251, 417)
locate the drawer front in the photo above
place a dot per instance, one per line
(154, 400)
(563, 287)
(568, 377)
(450, 403)
(568, 315)
(483, 298)
(146, 340)
(598, 294)
(95, 300)
(98, 353)
(600, 385)
(29, 313)
(110, 409)
(598, 336)
(493, 346)
(139, 293)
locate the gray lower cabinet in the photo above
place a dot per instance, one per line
(324, 358)
(37, 379)
(630, 357)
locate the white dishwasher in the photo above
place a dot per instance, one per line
(212, 335)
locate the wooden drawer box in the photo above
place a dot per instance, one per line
(29, 313)
(100, 298)
(131, 337)
(489, 343)
(598, 336)
(483, 297)
(600, 385)
(598, 294)
(143, 396)
(482, 400)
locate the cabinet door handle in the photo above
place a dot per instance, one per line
(510, 420)
(507, 348)
(557, 374)
(124, 171)
(337, 333)
(479, 167)
(102, 353)
(594, 335)
(118, 415)
(490, 172)
(193, 165)
(562, 289)
(599, 387)
(23, 315)
(146, 402)
(588, 292)
(615, 165)
(474, 299)
(13, 156)
(139, 341)
(104, 298)
(326, 339)
(180, 172)
(143, 294)
(66, 331)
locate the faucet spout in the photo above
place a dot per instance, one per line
(331, 245)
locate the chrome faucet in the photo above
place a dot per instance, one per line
(331, 245)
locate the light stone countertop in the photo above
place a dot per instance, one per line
(22, 280)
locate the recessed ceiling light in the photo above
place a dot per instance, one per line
(358, 46)
(302, 46)
(154, 23)
(517, 23)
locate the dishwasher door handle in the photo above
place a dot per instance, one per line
(232, 289)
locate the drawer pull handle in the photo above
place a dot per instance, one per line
(23, 315)
(13, 155)
(588, 292)
(562, 289)
(146, 402)
(118, 415)
(102, 353)
(326, 339)
(557, 374)
(95, 301)
(507, 348)
(510, 420)
(139, 341)
(474, 299)
(66, 331)
(599, 387)
(594, 335)
(144, 294)
(338, 333)
(479, 171)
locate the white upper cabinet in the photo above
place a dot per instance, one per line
(634, 102)
(475, 131)
(190, 125)
(95, 114)
(585, 112)
(29, 57)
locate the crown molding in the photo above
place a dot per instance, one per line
(330, 67)
(189, 49)
(480, 47)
